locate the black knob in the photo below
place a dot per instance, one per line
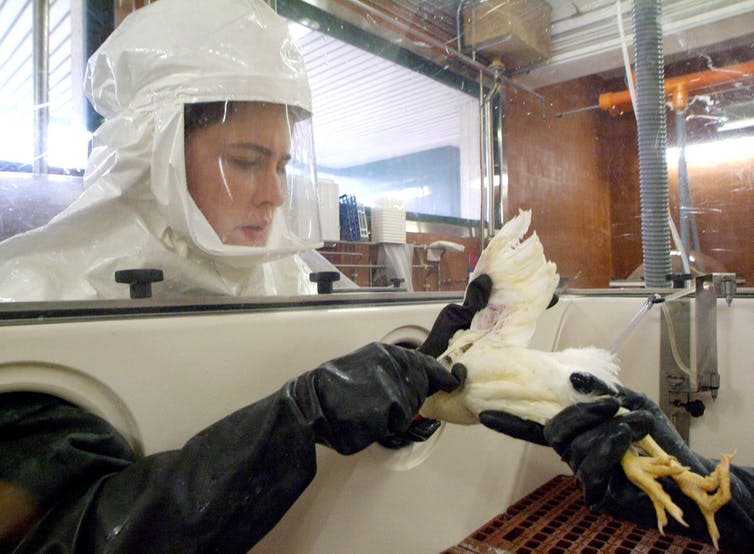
(396, 281)
(140, 280)
(324, 280)
(678, 279)
(694, 407)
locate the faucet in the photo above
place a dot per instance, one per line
(435, 252)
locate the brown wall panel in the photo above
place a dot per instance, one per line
(723, 197)
(621, 162)
(580, 176)
(556, 170)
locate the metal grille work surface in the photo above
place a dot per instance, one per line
(553, 519)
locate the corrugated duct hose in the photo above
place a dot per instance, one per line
(652, 137)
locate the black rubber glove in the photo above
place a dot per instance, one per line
(82, 489)
(455, 317)
(452, 318)
(594, 454)
(592, 441)
(86, 492)
(370, 394)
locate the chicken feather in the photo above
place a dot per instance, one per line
(504, 374)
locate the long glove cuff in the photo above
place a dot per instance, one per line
(303, 391)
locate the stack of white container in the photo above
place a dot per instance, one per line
(389, 221)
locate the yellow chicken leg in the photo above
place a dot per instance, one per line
(710, 493)
(644, 471)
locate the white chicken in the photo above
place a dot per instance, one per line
(505, 375)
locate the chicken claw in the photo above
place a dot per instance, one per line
(644, 471)
(710, 493)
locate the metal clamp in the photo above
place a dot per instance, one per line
(708, 288)
(688, 354)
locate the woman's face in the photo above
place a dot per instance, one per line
(235, 171)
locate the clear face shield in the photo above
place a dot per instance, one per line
(251, 179)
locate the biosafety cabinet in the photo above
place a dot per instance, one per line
(160, 378)
(626, 127)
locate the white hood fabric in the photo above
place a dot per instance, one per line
(135, 211)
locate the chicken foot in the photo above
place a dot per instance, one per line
(710, 493)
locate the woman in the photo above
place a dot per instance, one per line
(208, 203)
(185, 89)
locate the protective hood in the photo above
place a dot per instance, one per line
(178, 52)
(135, 210)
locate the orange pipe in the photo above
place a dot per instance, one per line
(677, 88)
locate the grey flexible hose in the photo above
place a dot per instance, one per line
(652, 138)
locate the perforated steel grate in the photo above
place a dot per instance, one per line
(553, 519)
